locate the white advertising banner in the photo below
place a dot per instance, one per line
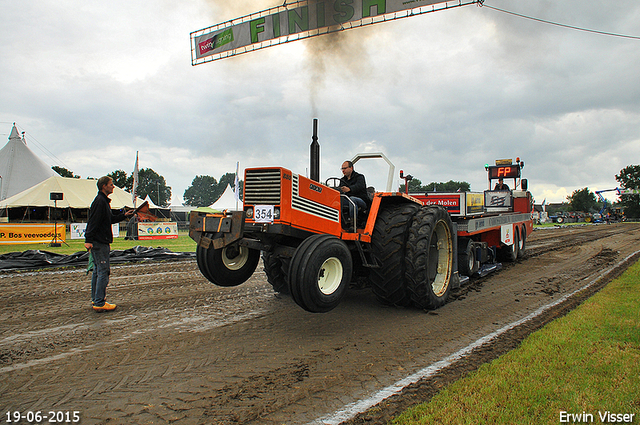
(78, 229)
(158, 230)
(302, 19)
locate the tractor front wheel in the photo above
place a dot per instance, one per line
(320, 272)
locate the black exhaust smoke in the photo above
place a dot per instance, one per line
(315, 153)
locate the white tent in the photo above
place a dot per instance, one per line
(151, 204)
(226, 201)
(20, 168)
(77, 193)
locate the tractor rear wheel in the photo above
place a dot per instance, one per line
(228, 266)
(429, 257)
(388, 244)
(320, 272)
(276, 271)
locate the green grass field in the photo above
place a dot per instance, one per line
(183, 244)
(586, 362)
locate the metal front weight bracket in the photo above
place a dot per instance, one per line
(220, 229)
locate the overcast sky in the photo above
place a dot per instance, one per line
(441, 94)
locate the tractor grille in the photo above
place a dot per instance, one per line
(262, 187)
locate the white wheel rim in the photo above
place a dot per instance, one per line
(238, 261)
(444, 249)
(330, 276)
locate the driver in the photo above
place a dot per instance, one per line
(353, 185)
(501, 185)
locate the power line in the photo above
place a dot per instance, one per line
(634, 37)
(42, 147)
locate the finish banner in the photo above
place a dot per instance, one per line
(302, 19)
(31, 233)
(156, 230)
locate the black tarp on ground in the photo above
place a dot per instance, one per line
(39, 259)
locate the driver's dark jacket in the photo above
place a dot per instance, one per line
(357, 184)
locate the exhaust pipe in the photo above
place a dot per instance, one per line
(315, 153)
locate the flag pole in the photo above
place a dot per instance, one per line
(237, 185)
(135, 183)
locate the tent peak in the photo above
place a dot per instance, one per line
(14, 133)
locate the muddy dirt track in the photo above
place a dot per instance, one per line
(181, 350)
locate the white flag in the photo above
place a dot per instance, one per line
(135, 182)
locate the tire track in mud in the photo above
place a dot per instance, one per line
(546, 241)
(423, 389)
(184, 308)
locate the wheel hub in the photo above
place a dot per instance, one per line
(235, 257)
(330, 276)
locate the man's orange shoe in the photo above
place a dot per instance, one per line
(105, 307)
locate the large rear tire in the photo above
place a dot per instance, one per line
(429, 258)
(320, 272)
(228, 266)
(276, 270)
(388, 244)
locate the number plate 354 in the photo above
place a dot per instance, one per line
(263, 214)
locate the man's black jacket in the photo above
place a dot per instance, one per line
(100, 220)
(357, 184)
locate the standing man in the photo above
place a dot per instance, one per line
(97, 239)
(354, 186)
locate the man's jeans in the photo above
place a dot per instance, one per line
(101, 271)
(359, 204)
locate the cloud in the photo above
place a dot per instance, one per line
(440, 94)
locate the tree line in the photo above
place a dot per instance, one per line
(416, 186)
(204, 190)
(585, 200)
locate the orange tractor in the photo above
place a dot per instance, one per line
(405, 248)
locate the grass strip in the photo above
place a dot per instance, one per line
(586, 363)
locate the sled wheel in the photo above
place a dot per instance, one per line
(201, 260)
(228, 266)
(467, 262)
(523, 241)
(510, 252)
